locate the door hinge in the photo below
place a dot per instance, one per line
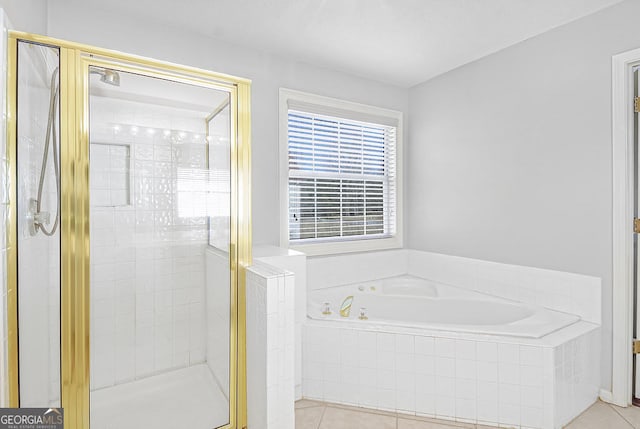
(636, 347)
(636, 225)
(636, 104)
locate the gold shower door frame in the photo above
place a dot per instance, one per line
(75, 60)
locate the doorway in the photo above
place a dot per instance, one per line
(127, 176)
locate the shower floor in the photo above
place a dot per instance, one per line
(187, 398)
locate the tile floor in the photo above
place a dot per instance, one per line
(320, 415)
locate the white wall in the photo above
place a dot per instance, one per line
(69, 19)
(26, 15)
(511, 155)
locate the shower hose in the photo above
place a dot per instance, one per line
(51, 139)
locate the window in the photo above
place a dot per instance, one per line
(340, 175)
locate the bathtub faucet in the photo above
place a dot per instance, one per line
(345, 308)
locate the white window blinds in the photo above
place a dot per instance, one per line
(342, 178)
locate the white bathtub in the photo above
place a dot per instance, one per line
(408, 301)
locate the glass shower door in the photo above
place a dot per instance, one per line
(38, 224)
(160, 225)
(128, 226)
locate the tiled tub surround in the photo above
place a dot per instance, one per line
(536, 383)
(567, 292)
(497, 380)
(557, 290)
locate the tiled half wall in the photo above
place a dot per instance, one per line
(270, 347)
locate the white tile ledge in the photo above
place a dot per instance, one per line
(267, 271)
(551, 340)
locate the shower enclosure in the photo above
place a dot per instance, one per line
(128, 236)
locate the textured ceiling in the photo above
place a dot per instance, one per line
(403, 42)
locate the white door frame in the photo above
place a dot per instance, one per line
(623, 200)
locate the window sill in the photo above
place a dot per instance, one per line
(338, 247)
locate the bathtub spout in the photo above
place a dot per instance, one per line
(345, 308)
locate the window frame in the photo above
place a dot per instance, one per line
(357, 111)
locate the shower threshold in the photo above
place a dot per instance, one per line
(187, 398)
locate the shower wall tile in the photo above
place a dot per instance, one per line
(147, 254)
(218, 297)
(110, 174)
(328, 271)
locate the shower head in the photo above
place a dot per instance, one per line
(108, 76)
(111, 77)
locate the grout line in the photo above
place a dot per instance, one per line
(359, 409)
(311, 406)
(380, 413)
(316, 405)
(322, 417)
(623, 417)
